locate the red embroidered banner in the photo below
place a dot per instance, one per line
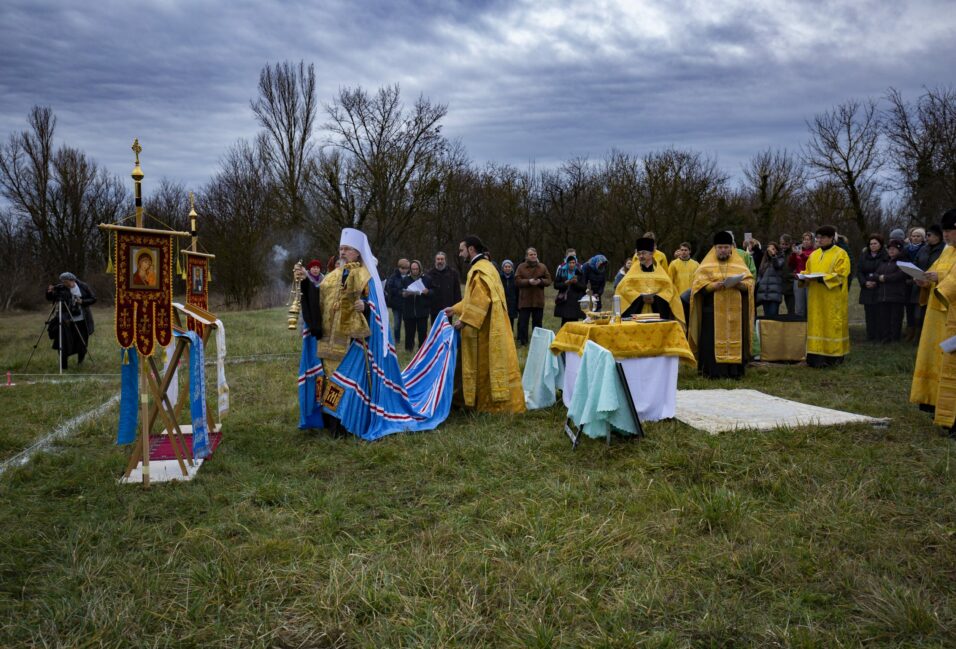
(144, 290)
(197, 287)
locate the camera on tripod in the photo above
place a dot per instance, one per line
(62, 293)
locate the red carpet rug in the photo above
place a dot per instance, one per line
(160, 448)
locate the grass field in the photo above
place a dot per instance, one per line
(487, 532)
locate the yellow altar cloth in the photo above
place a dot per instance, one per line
(627, 339)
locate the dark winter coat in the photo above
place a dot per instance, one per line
(531, 297)
(893, 288)
(928, 255)
(595, 274)
(445, 288)
(393, 290)
(311, 307)
(866, 272)
(415, 307)
(787, 272)
(511, 293)
(87, 299)
(569, 309)
(770, 280)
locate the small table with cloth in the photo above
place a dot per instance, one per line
(648, 351)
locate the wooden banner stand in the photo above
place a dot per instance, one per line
(159, 386)
(159, 286)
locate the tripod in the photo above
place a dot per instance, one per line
(58, 309)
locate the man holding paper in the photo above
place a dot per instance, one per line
(722, 311)
(929, 357)
(647, 287)
(826, 278)
(416, 303)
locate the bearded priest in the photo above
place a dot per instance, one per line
(489, 378)
(647, 287)
(722, 311)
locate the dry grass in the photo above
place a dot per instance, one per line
(487, 532)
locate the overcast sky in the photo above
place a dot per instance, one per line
(524, 81)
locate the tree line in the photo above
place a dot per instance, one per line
(372, 160)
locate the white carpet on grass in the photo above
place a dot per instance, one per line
(162, 471)
(718, 411)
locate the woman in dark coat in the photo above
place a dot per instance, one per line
(570, 284)
(511, 290)
(75, 323)
(892, 293)
(870, 259)
(770, 278)
(415, 307)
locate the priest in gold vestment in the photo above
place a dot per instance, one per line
(722, 311)
(929, 357)
(335, 313)
(828, 325)
(647, 288)
(490, 380)
(682, 269)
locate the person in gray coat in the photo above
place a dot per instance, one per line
(770, 278)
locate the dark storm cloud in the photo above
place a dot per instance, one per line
(524, 81)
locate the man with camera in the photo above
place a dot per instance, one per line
(71, 324)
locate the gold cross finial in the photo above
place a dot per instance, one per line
(192, 205)
(137, 149)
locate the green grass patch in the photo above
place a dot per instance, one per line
(489, 531)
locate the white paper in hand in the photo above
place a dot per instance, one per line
(912, 270)
(733, 280)
(806, 276)
(417, 287)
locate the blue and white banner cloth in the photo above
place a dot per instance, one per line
(129, 397)
(310, 373)
(197, 393)
(370, 395)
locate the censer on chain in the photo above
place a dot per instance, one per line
(295, 299)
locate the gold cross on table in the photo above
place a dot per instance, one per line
(137, 149)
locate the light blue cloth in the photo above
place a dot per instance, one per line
(197, 394)
(599, 402)
(543, 371)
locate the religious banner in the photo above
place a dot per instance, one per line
(197, 285)
(144, 288)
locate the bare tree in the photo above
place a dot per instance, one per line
(286, 109)
(168, 205)
(62, 193)
(385, 164)
(80, 196)
(775, 177)
(25, 163)
(844, 147)
(679, 196)
(922, 149)
(570, 202)
(18, 265)
(236, 206)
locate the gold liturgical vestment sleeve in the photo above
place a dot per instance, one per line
(340, 321)
(682, 274)
(945, 415)
(490, 378)
(728, 307)
(929, 356)
(637, 283)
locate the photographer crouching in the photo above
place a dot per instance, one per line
(70, 331)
